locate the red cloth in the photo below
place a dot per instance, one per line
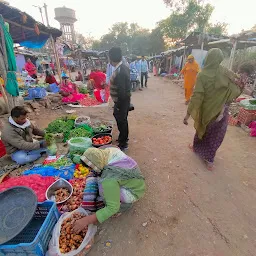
(36, 182)
(30, 68)
(74, 95)
(50, 80)
(99, 79)
(79, 77)
(52, 65)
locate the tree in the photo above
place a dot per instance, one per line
(84, 42)
(193, 16)
(217, 29)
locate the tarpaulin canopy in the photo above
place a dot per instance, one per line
(24, 29)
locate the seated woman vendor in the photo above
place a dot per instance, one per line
(69, 91)
(120, 183)
(49, 78)
(17, 138)
(97, 80)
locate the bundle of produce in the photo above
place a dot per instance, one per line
(50, 140)
(65, 242)
(61, 126)
(80, 132)
(61, 162)
(76, 198)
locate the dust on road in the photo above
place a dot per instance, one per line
(187, 210)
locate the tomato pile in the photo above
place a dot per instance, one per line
(103, 140)
(89, 102)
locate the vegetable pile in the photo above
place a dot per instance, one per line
(69, 241)
(80, 132)
(81, 171)
(61, 194)
(102, 129)
(89, 102)
(102, 140)
(60, 162)
(76, 198)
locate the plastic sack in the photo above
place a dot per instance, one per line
(53, 88)
(52, 149)
(82, 120)
(36, 93)
(66, 172)
(83, 249)
(79, 144)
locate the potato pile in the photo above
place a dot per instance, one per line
(76, 198)
(68, 241)
(61, 194)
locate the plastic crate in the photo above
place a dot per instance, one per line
(34, 239)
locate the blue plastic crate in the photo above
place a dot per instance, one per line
(34, 239)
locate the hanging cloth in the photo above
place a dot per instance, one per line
(11, 82)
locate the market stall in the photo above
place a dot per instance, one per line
(18, 27)
(56, 190)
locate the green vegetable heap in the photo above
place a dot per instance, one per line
(80, 132)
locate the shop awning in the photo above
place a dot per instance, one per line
(24, 29)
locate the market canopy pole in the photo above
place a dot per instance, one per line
(53, 44)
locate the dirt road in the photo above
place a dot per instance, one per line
(187, 210)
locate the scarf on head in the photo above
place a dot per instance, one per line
(214, 88)
(100, 160)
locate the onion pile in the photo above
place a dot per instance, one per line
(61, 194)
(69, 241)
(76, 198)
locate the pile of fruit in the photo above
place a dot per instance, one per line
(81, 171)
(102, 140)
(76, 198)
(61, 195)
(68, 240)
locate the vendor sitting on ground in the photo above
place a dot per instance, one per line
(17, 138)
(79, 76)
(49, 78)
(69, 91)
(120, 183)
(97, 80)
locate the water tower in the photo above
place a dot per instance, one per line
(66, 17)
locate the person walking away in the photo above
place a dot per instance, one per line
(18, 140)
(52, 67)
(120, 91)
(134, 75)
(216, 87)
(31, 69)
(144, 72)
(138, 68)
(189, 72)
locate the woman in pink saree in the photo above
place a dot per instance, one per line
(69, 92)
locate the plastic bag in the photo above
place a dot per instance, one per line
(83, 249)
(79, 144)
(66, 172)
(82, 120)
